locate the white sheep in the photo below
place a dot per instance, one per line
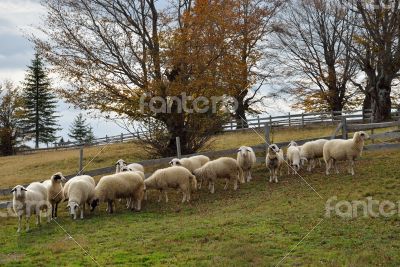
(188, 163)
(128, 185)
(246, 159)
(76, 178)
(201, 158)
(342, 150)
(30, 200)
(172, 177)
(274, 161)
(55, 191)
(223, 168)
(131, 167)
(293, 157)
(311, 151)
(127, 169)
(80, 192)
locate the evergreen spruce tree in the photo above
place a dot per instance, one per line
(81, 131)
(40, 119)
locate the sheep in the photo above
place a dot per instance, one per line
(127, 185)
(246, 159)
(172, 177)
(188, 163)
(342, 150)
(79, 177)
(293, 157)
(201, 158)
(311, 151)
(224, 167)
(80, 192)
(32, 199)
(126, 169)
(55, 191)
(274, 161)
(132, 167)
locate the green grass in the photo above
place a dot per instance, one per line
(257, 225)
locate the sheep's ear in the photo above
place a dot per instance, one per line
(23, 189)
(57, 177)
(13, 190)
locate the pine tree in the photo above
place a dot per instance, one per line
(40, 104)
(81, 131)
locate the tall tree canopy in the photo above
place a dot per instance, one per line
(40, 119)
(376, 48)
(11, 105)
(313, 36)
(118, 55)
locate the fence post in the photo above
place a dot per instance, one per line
(80, 160)
(267, 133)
(106, 138)
(302, 120)
(231, 125)
(290, 123)
(270, 120)
(344, 128)
(122, 137)
(178, 147)
(258, 120)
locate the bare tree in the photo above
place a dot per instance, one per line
(120, 54)
(376, 47)
(252, 26)
(313, 33)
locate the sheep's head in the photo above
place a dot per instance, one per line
(94, 203)
(58, 177)
(292, 143)
(124, 169)
(175, 162)
(273, 149)
(360, 136)
(120, 163)
(244, 151)
(73, 208)
(18, 191)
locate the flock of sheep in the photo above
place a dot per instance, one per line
(187, 174)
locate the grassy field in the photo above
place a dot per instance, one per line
(27, 168)
(257, 225)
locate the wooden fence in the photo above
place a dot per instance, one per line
(299, 120)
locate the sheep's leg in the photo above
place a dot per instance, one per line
(188, 195)
(55, 210)
(212, 185)
(53, 207)
(270, 175)
(235, 184)
(166, 196)
(336, 167)
(249, 178)
(82, 210)
(351, 168)
(328, 166)
(110, 206)
(184, 196)
(37, 213)
(139, 205)
(160, 195)
(27, 221)
(19, 223)
(226, 184)
(145, 195)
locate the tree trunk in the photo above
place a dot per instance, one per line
(240, 113)
(366, 108)
(381, 103)
(6, 142)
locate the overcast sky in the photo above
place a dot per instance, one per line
(19, 18)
